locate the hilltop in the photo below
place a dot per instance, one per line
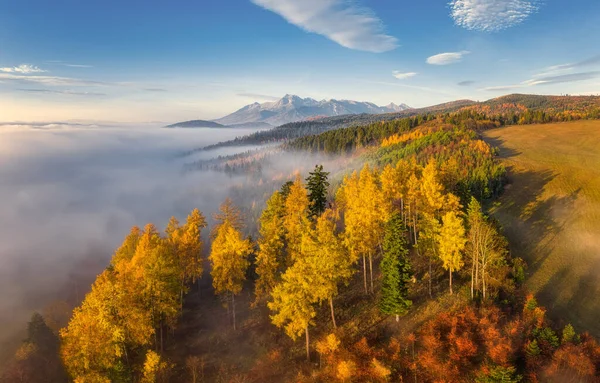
(196, 124)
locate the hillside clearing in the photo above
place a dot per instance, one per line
(551, 214)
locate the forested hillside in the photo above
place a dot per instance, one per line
(395, 273)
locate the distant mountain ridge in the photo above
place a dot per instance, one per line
(196, 124)
(212, 124)
(292, 108)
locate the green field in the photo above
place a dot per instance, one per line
(550, 212)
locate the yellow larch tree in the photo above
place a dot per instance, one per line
(452, 242)
(295, 217)
(271, 244)
(187, 244)
(293, 301)
(365, 214)
(432, 191)
(229, 255)
(92, 344)
(127, 249)
(329, 259)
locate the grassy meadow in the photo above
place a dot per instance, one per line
(550, 212)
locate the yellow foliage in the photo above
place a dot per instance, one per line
(346, 370)
(328, 345)
(379, 370)
(229, 258)
(452, 241)
(296, 217)
(271, 245)
(26, 350)
(152, 367)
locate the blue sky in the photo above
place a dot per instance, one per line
(174, 60)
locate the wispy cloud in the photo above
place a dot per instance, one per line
(257, 96)
(50, 80)
(65, 92)
(415, 87)
(447, 58)
(70, 65)
(560, 79)
(78, 65)
(402, 76)
(557, 69)
(155, 90)
(466, 83)
(573, 77)
(23, 69)
(491, 15)
(341, 21)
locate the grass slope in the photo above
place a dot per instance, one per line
(551, 214)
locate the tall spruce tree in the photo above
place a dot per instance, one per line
(317, 185)
(395, 269)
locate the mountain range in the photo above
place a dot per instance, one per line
(290, 108)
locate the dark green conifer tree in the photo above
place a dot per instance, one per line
(285, 189)
(317, 185)
(395, 270)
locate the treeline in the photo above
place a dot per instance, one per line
(298, 129)
(468, 165)
(341, 141)
(476, 117)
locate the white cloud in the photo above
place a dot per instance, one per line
(491, 15)
(23, 68)
(49, 80)
(402, 76)
(258, 96)
(66, 92)
(341, 21)
(447, 58)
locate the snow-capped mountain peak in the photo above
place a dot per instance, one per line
(292, 108)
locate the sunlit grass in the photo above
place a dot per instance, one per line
(551, 213)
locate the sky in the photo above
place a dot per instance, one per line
(167, 61)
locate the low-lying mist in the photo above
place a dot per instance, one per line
(70, 193)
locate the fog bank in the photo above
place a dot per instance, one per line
(70, 193)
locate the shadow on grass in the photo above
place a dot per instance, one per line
(499, 143)
(582, 299)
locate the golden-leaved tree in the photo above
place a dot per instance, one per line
(293, 301)
(137, 295)
(452, 242)
(229, 254)
(328, 257)
(187, 245)
(365, 214)
(271, 245)
(322, 265)
(296, 211)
